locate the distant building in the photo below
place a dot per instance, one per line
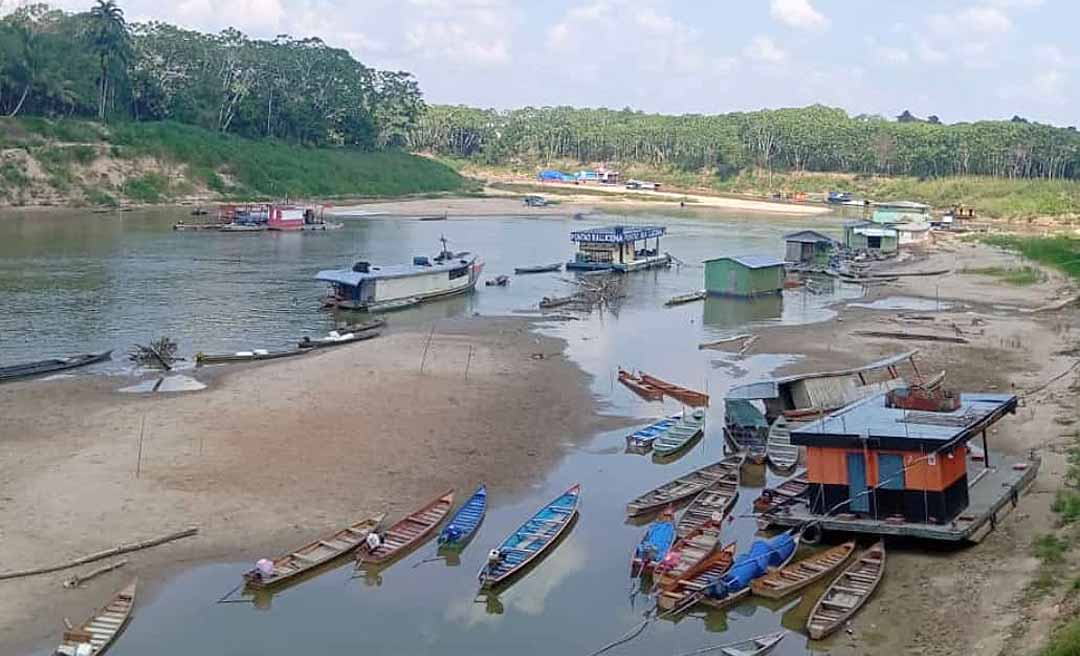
(808, 247)
(744, 275)
(619, 248)
(870, 236)
(551, 175)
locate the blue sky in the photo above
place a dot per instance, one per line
(961, 60)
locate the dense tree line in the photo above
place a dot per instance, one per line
(814, 138)
(94, 64)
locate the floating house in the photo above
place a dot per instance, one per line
(744, 275)
(618, 248)
(900, 456)
(809, 247)
(904, 211)
(870, 236)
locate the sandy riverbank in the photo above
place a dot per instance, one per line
(270, 455)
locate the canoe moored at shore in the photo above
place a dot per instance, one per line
(541, 268)
(712, 504)
(779, 450)
(756, 646)
(682, 394)
(642, 439)
(99, 632)
(847, 593)
(679, 436)
(407, 534)
(462, 526)
(684, 486)
(336, 339)
(370, 324)
(794, 577)
(686, 554)
(759, 560)
(269, 573)
(685, 298)
(44, 367)
(533, 538)
(693, 583)
(639, 387)
(246, 356)
(654, 546)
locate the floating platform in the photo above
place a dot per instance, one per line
(992, 493)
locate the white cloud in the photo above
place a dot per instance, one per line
(893, 55)
(1049, 84)
(799, 14)
(986, 20)
(763, 50)
(466, 31)
(928, 53)
(1049, 54)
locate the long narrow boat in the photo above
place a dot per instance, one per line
(847, 593)
(684, 486)
(796, 576)
(777, 497)
(763, 557)
(639, 387)
(686, 554)
(697, 578)
(555, 301)
(310, 556)
(408, 533)
(712, 504)
(359, 327)
(654, 546)
(689, 428)
(336, 339)
(247, 356)
(462, 526)
(540, 268)
(756, 646)
(642, 439)
(779, 449)
(538, 534)
(43, 367)
(685, 298)
(684, 395)
(102, 628)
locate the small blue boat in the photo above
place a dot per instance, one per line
(655, 545)
(531, 539)
(465, 521)
(643, 438)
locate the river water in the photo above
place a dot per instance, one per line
(74, 283)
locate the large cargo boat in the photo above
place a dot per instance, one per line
(371, 288)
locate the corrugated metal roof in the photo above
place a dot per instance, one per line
(752, 261)
(768, 389)
(808, 236)
(875, 232)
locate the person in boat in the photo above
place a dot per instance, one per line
(452, 534)
(373, 541)
(495, 557)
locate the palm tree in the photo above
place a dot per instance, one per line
(112, 43)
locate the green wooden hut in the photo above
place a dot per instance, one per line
(744, 275)
(870, 236)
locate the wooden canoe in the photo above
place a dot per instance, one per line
(847, 593)
(103, 626)
(779, 449)
(312, 555)
(712, 504)
(654, 545)
(408, 533)
(681, 435)
(685, 555)
(246, 356)
(685, 298)
(370, 324)
(756, 646)
(337, 340)
(642, 439)
(681, 394)
(781, 582)
(555, 301)
(777, 497)
(639, 387)
(44, 367)
(694, 582)
(533, 538)
(462, 526)
(541, 268)
(684, 486)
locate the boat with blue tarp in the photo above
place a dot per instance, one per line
(533, 538)
(759, 560)
(466, 520)
(654, 547)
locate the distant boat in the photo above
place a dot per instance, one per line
(435, 217)
(531, 539)
(682, 394)
(99, 632)
(681, 435)
(269, 573)
(44, 367)
(685, 298)
(540, 268)
(711, 505)
(642, 439)
(639, 387)
(359, 327)
(497, 281)
(408, 533)
(779, 450)
(757, 646)
(684, 486)
(555, 301)
(654, 546)
(247, 356)
(462, 526)
(847, 593)
(336, 339)
(779, 583)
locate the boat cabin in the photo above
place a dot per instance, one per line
(898, 456)
(619, 248)
(808, 247)
(744, 275)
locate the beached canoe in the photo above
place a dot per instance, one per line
(555, 301)
(686, 554)
(541, 268)
(101, 629)
(370, 324)
(639, 387)
(407, 534)
(796, 576)
(43, 367)
(779, 450)
(847, 593)
(756, 646)
(777, 497)
(697, 578)
(247, 356)
(312, 555)
(654, 546)
(679, 436)
(711, 505)
(336, 339)
(682, 394)
(538, 534)
(684, 486)
(685, 298)
(462, 526)
(642, 439)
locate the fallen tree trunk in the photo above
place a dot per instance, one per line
(115, 551)
(911, 336)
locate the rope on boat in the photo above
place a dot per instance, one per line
(429, 560)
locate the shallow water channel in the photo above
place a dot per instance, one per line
(79, 283)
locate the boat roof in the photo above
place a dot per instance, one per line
(875, 232)
(871, 423)
(752, 261)
(808, 236)
(618, 234)
(770, 389)
(901, 205)
(377, 272)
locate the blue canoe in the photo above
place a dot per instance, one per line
(643, 438)
(466, 520)
(531, 539)
(655, 545)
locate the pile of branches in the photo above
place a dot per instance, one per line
(160, 352)
(599, 292)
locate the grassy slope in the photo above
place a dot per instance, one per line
(83, 163)
(1061, 252)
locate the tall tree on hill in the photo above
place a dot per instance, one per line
(111, 41)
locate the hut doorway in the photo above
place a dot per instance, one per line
(856, 471)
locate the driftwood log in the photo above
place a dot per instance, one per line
(115, 551)
(77, 580)
(911, 336)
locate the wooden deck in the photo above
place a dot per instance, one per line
(991, 497)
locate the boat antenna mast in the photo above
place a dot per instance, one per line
(445, 254)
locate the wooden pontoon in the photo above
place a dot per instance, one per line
(407, 533)
(639, 387)
(682, 394)
(711, 505)
(103, 626)
(696, 579)
(312, 555)
(684, 486)
(796, 576)
(848, 593)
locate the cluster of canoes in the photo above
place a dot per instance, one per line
(688, 563)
